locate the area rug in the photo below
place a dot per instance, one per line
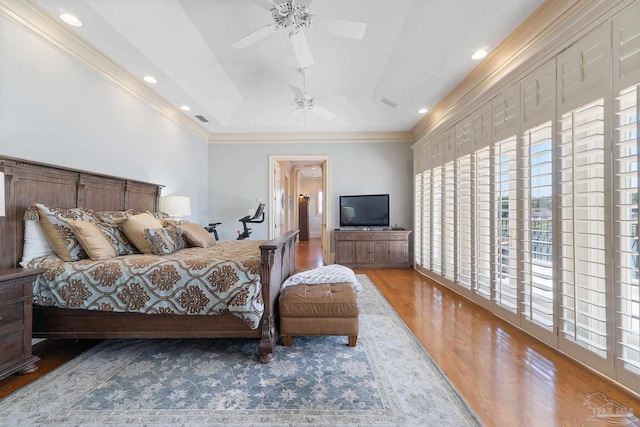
(386, 380)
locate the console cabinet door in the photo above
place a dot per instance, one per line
(345, 252)
(363, 253)
(398, 252)
(380, 252)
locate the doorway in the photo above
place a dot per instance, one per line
(283, 212)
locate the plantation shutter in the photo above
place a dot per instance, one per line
(464, 237)
(449, 219)
(481, 125)
(417, 219)
(538, 291)
(626, 87)
(437, 205)
(586, 305)
(427, 195)
(506, 114)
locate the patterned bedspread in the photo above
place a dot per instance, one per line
(192, 281)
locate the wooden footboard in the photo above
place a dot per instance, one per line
(277, 263)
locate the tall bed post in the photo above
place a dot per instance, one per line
(278, 262)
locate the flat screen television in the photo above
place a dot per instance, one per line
(365, 210)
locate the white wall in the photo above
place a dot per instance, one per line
(241, 175)
(54, 110)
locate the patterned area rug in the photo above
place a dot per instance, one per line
(386, 380)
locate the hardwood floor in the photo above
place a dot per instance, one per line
(507, 377)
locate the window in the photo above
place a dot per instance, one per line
(626, 230)
(535, 215)
(537, 231)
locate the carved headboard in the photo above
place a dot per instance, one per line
(27, 183)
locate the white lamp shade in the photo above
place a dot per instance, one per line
(2, 213)
(176, 206)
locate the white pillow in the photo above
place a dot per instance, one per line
(35, 243)
(334, 273)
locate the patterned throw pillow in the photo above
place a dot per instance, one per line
(112, 217)
(54, 222)
(115, 234)
(164, 241)
(160, 215)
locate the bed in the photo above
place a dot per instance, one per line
(267, 266)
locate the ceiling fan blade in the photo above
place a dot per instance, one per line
(323, 112)
(295, 113)
(339, 27)
(333, 98)
(254, 37)
(297, 91)
(264, 4)
(301, 49)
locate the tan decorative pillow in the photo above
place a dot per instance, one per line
(54, 223)
(93, 241)
(134, 227)
(196, 235)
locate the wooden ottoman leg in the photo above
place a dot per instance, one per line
(352, 340)
(286, 341)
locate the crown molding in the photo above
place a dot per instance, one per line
(30, 17)
(543, 34)
(311, 137)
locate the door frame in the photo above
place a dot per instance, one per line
(325, 163)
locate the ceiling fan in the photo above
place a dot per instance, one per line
(305, 102)
(294, 17)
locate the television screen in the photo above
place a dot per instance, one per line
(371, 210)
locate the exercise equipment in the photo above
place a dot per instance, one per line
(251, 219)
(212, 229)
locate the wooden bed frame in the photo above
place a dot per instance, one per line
(28, 182)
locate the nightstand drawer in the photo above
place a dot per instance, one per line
(11, 317)
(12, 291)
(11, 347)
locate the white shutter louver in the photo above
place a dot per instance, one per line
(449, 207)
(464, 241)
(482, 197)
(582, 215)
(427, 196)
(436, 212)
(537, 232)
(505, 199)
(417, 219)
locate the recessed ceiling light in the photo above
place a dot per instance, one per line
(185, 108)
(479, 54)
(423, 110)
(150, 79)
(71, 19)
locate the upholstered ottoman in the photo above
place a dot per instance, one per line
(319, 309)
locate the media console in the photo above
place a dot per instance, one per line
(370, 249)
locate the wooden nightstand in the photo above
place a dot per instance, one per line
(16, 292)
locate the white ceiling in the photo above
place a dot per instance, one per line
(413, 53)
